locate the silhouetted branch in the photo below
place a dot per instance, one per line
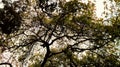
(6, 63)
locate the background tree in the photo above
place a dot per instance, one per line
(58, 33)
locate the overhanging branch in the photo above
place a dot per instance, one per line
(6, 63)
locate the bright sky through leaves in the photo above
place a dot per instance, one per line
(99, 6)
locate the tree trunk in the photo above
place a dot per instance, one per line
(46, 56)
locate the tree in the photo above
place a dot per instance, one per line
(51, 34)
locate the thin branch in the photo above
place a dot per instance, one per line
(93, 48)
(6, 63)
(56, 39)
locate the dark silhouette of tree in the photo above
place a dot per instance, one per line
(52, 34)
(9, 19)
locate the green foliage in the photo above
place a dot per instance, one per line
(36, 64)
(71, 29)
(21, 58)
(117, 0)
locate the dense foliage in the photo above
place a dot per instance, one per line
(44, 33)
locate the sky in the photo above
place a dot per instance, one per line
(99, 7)
(1, 4)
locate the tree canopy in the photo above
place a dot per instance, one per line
(53, 33)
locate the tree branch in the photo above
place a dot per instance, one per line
(6, 63)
